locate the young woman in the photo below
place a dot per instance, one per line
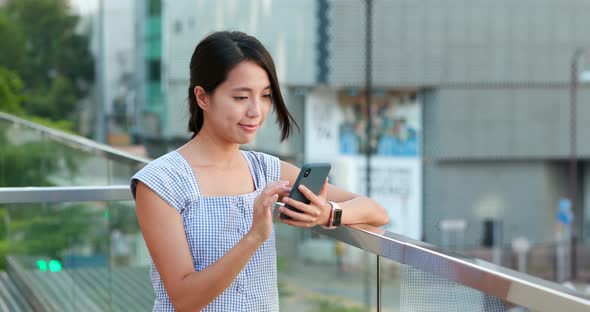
(205, 210)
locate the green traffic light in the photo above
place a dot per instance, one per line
(42, 265)
(54, 266)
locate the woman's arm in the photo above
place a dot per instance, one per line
(356, 209)
(164, 235)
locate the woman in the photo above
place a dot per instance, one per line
(205, 210)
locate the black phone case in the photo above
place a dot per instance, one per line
(314, 181)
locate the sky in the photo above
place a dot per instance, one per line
(84, 7)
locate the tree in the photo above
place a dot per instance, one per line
(45, 68)
(59, 68)
(10, 92)
(13, 44)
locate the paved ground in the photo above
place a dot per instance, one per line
(310, 283)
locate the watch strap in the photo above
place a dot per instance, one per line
(335, 209)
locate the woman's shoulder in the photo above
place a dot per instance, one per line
(270, 165)
(166, 176)
(262, 159)
(167, 164)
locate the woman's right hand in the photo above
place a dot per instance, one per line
(262, 212)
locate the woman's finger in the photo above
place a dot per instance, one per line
(297, 223)
(305, 208)
(324, 190)
(271, 200)
(307, 193)
(300, 216)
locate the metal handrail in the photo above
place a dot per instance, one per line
(515, 287)
(509, 285)
(58, 194)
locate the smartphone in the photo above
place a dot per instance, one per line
(313, 176)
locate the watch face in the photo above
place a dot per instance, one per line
(337, 217)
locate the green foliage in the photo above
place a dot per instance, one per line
(33, 162)
(330, 305)
(42, 100)
(45, 69)
(12, 97)
(50, 230)
(10, 92)
(53, 60)
(13, 44)
(123, 217)
(43, 230)
(63, 125)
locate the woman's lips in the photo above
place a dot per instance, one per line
(248, 128)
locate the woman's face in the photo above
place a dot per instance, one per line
(239, 105)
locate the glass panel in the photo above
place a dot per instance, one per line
(129, 259)
(33, 158)
(422, 291)
(390, 279)
(23, 156)
(78, 256)
(319, 274)
(121, 171)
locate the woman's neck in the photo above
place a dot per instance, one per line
(206, 149)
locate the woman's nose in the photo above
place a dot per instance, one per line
(254, 108)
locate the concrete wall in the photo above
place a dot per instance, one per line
(431, 42)
(504, 123)
(522, 194)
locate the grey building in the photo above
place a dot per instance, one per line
(495, 82)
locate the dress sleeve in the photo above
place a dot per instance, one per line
(162, 180)
(271, 166)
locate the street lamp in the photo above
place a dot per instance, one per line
(576, 76)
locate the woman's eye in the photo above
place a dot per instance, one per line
(268, 96)
(240, 98)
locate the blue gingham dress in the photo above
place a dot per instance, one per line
(213, 225)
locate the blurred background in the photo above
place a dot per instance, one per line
(466, 119)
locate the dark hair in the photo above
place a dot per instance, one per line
(213, 59)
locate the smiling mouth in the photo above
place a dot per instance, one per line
(249, 128)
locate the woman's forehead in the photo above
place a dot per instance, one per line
(247, 75)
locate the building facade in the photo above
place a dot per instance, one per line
(480, 92)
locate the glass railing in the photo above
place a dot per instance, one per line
(96, 261)
(72, 248)
(34, 155)
(320, 274)
(105, 265)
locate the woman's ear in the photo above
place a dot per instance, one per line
(202, 97)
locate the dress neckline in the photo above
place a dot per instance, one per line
(193, 177)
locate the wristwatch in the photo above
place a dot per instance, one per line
(335, 217)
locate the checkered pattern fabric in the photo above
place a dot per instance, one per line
(213, 225)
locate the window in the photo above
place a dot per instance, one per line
(154, 70)
(155, 7)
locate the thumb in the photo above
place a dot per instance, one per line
(273, 199)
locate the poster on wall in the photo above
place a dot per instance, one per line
(395, 117)
(396, 172)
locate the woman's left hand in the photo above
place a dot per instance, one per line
(317, 212)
